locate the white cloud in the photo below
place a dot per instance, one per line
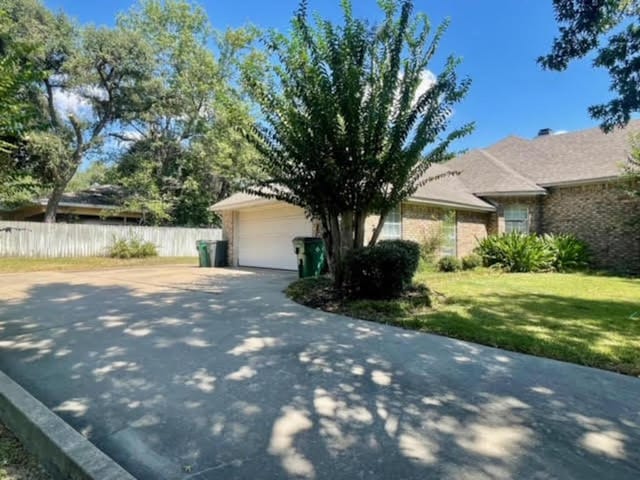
(560, 132)
(70, 103)
(427, 80)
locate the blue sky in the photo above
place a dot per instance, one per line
(499, 41)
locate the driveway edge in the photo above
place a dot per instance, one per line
(64, 453)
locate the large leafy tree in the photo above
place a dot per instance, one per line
(611, 28)
(90, 81)
(349, 127)
(182, 154)
(18, 77)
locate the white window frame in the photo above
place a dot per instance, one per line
(392, 227)
(516, 218)
(450, 244)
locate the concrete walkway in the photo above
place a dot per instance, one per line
(183, 373)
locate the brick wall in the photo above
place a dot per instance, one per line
(472, 226)
(420, 221)
(600, 215)
(228, 235)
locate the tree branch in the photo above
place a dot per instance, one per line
(53, 115)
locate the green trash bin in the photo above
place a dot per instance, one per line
(204, 259)
(311, 256)
(217, 250)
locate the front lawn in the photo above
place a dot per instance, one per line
(21, 264)
(592, 320)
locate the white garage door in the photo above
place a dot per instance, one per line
(265, 234)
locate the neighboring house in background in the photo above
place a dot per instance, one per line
(568, 183)
(100, 204)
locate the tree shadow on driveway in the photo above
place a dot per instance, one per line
(217, 375)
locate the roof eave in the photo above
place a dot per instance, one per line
(454, 205)
(525, 193)
(241, 205)
(585, 181)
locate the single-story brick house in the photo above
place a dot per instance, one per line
(567, 183)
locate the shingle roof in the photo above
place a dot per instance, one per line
(447, 188)
(442, 187)
(570, 157)
(483, 173)
(99, 195)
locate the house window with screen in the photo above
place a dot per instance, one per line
(392, 228)
(449, 234)
(516, 219)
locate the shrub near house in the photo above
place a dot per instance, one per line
(385, 270)
(518, 252)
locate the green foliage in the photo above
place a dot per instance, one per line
(569, 253)
(184, 153)
(351, 118)
(516, 252)
(431, 244)
(611, 28)
(412, 251)
(132, 248)
(632, 175)
(99, 69)
(449, 264)
(471, 261)
(96, 174)
(384, 270)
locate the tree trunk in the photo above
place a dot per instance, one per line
(340, 233)
(52, 204)
(59, 188)
(377, 231)
(360, 222)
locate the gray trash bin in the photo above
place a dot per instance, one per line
(218, 253)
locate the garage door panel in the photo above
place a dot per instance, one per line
(264, 236)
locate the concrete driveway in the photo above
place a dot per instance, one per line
(184, 373)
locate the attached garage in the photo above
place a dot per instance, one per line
(262, 235)
(260, 231)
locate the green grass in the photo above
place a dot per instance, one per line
(19, 265)
(587, 319)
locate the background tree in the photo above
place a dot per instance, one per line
(97, 70)
(182, 154)
(348, 127)
(612, 29)
(17, 79)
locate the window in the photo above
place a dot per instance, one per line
(516, 219)
(392, 228)
(450, 234)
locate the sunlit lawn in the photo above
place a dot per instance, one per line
(592, 320)
(17, 265)
(587, 319)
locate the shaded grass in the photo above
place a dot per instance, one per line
(21, 264)
(588, 319)
(15, 462)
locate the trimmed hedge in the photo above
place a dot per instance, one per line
(382, 271)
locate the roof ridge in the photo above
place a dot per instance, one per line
(508, 168)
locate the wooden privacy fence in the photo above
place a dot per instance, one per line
(30, 239)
